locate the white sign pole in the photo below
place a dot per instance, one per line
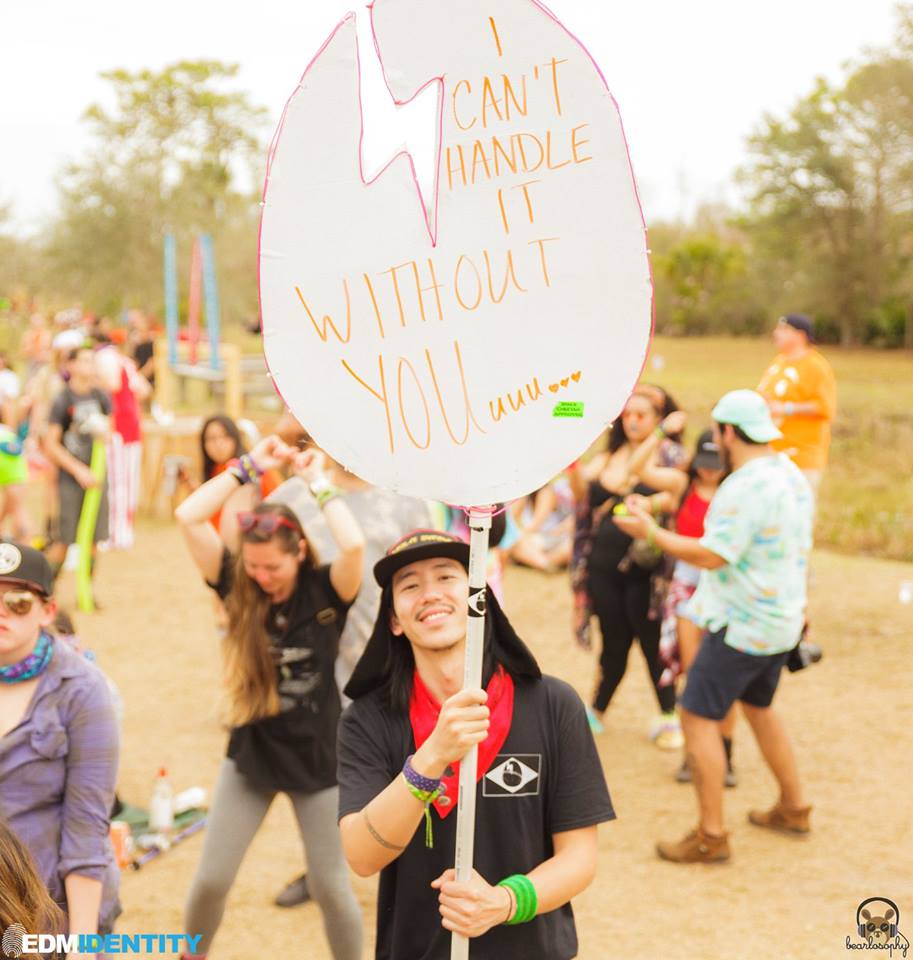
(479, 525)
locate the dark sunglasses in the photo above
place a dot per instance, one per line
(265, 523)
(19, 602)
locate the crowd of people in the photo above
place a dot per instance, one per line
(343, 614)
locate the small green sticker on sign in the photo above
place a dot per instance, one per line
(568, 408)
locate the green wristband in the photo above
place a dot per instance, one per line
(525, 894)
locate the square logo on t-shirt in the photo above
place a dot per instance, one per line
(513, 775)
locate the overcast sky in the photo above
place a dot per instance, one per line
(692, 80)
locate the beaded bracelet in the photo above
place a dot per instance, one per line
(244, 470)
(425, 789)
(250, 468)
(651, 532)
(525, 894)
(233, 468)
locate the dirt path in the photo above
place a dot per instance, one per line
(778, 898)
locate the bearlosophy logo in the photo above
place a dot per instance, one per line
(878, 927)
(12, 940)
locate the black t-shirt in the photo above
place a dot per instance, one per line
(296, 749)
(73, 413)
(610, 543)
(547, 779)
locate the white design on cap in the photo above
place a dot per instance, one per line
(10, 558)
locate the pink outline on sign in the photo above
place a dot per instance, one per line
(431, 222)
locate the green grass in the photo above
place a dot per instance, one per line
(866, 504)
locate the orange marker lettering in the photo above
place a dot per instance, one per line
(509, 274)
(575, 143)
(456, 283)
(403, 362)
(451, 169)
(456, 118)
(548, 154)
(382, 396)
(328, 320)
(541, 244)
(489, 100)
(494, 30)
(467, 406)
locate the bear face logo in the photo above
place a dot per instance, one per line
(878, 930)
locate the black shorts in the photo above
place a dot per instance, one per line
(720, 675)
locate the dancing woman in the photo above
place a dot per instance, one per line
(285, 615)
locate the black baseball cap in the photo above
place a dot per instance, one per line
(707, 453)
(799, 321)
(420, 545)
(25, 565)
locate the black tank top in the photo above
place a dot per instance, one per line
(609, 543)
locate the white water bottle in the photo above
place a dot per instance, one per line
(161, 807)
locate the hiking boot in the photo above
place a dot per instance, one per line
(696, 847)
(781, 819)
(295, 893)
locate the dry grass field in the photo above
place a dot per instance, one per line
(777, 898)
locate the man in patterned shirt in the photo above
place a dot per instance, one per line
(751, 601)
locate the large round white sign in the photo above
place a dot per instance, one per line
(469, 351)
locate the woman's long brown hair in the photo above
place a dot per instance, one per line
(250, 672)
(24, 899)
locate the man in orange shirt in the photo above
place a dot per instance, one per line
(800, 390)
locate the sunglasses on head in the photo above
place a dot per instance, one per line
(265, 523)
(19, 602)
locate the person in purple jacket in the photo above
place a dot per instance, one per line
(58, 748)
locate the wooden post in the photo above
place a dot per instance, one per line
(230, 354)
(164, 378)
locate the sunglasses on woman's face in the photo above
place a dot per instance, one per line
(19, 602)
(265, 523)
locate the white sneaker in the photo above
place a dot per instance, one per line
(666, 732)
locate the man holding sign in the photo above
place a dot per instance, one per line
(540, 791)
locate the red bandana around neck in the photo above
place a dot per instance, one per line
(424, 711)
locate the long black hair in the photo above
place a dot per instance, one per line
(388, 665)
(231, 428)
(661, 401)
(400, 664)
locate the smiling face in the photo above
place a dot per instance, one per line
(19, 632)
(219, 444)
(639, 418)
(429, 603)
(273, 569)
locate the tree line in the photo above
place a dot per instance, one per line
(825, 226)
